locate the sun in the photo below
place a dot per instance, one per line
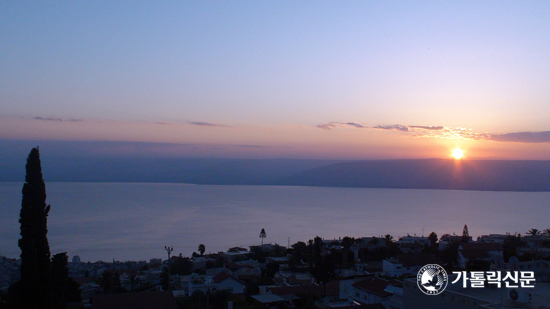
(457, 153)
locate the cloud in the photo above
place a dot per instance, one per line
(521, 137)
(162, 123)
(437, 128)
(207, 124)
(333, 124)
(326, 126)
(457, 133)
(353, 124)
(392, 127)
(48, 119)
(58, 119)
(250, 146)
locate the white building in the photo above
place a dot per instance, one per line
(366, 290)
(407, 264)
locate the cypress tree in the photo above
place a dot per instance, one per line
(34, 288)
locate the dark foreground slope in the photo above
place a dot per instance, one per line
(486, 175)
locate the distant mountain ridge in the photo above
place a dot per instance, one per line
(481, 175)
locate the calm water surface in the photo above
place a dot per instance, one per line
(134, 221)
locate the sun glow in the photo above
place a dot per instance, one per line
(457, 153)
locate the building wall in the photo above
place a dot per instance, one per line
(397, 269)
(413, 298)
(231, 284)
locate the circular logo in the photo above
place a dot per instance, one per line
(432, 279)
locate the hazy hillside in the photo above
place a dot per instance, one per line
(197, 171)
(493, 175)
(128, 162)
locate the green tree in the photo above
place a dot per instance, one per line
(317, 247)
(262, 236)
(347, 242)
(64, 288)
(34, 289)
(465, 234)
(449, 254)
(390, 246)
(433, 239)
(202, 249)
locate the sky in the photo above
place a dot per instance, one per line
(281, 79)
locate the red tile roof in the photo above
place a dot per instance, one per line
(221, 277)
(374, 285)
(146, 300)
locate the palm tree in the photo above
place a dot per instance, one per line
(202, 248)
(388, 239)
(533, 232)
(546, 232)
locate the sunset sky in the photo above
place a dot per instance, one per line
(281, 79)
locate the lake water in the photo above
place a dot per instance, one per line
(134, 221)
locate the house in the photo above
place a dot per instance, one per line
(413, 244)
(415, 239)
(470, 252)
(222, 281)
(235, 253)
(446, 239)
(264, 248)
(413, 247)
(245, 272)
(367, 244)
(498, 238)
(201, 262)
(407, 264)
(366, 290)
(293, 278)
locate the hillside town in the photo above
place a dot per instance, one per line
(367, 272)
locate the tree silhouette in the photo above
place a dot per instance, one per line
(533, 232)
(262, 236)
(347, 242)
(202, 249)
(433, 239)
(388, 241)
(64, 288)
(34, 290)
(465, 234)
